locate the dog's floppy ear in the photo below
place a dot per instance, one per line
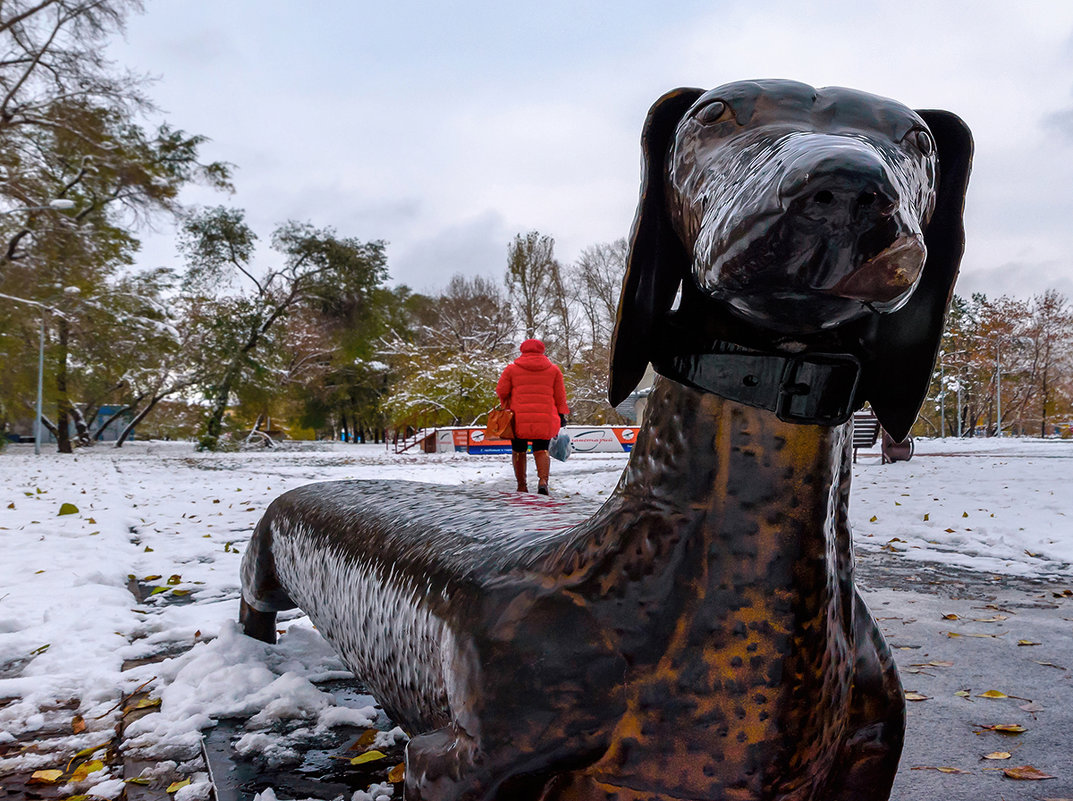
(906, 342)
(657, 262)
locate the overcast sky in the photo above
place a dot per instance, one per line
(446, 128)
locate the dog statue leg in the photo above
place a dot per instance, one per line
(257, 624)
(869, 758)
(262, 594)
(528, 706)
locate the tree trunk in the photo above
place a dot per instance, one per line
(1043, 406)
(210, 440)
(256, 425)
(63, 403)
(128, 429)
(81, 426)
(111, 419)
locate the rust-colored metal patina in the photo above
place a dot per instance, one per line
(700, 635)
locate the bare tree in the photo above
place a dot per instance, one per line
(531, 269)
(599, 271)
(1051, 331)
(470, 315)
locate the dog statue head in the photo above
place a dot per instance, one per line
(792, 221)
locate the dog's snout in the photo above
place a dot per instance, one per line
(839, 194)
(847, 197)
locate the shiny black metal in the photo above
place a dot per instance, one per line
(816, 389)
(700, 636)
(796, 220)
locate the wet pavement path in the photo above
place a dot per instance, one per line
(956, 636)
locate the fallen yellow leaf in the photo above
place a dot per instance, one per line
(397, 773)
(175, 787)
(998, 755)
(1027, 772)
(45, 777)
(87, 751)
(942, 769)
(1004, 728)
(1027, 642)
(911, 696)
(78, 724)
(992, 694)
(365, 740)
(86, 768)
(951, 616)
(368, 756)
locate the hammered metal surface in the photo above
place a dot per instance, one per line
(699, 636)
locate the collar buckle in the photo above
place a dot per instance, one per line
(818, 389)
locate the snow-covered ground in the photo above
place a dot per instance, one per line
(177, 522)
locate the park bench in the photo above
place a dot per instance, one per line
(865, 430)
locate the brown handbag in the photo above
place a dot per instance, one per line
(500, 424)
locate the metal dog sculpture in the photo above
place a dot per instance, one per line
(700, 636)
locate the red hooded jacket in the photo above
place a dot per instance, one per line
(532, 387)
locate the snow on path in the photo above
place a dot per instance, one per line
(1002, 507)
(160, 511)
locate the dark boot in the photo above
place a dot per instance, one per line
(543, 466)
(519, 470)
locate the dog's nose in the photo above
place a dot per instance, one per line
(842, 187)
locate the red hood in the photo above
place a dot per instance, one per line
(533, 361)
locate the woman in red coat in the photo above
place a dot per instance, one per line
(532, 387)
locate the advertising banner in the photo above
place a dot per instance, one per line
(583, 439)
(478, 444)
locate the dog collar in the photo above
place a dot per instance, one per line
(813, 388)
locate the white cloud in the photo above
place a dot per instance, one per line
(450, 130)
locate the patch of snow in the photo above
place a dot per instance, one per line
(178, 521)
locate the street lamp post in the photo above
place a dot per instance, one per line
(39, 410)
(56, 204)
(942, 398)
(998, 387)
(942, 393)
(40, 386)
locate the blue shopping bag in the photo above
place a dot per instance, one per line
(559, 447)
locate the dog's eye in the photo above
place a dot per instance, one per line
(923, 140)
(716, 111)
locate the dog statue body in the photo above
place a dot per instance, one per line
(700, 635)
